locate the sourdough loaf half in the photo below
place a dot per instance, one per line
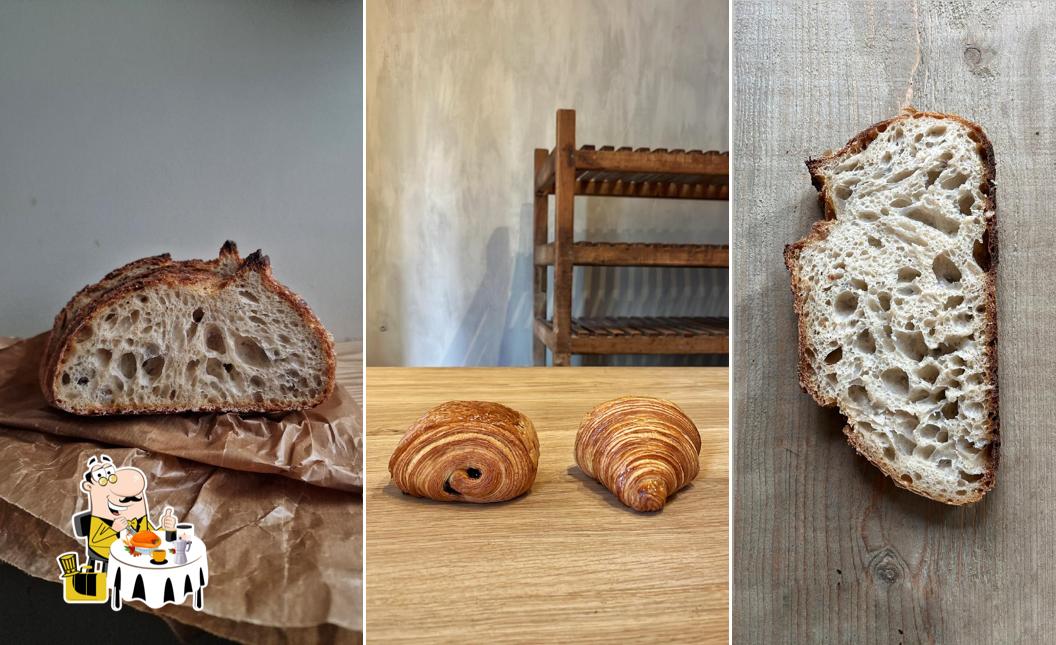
(160, 336)
(895, 294)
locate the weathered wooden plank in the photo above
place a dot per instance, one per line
(827, 550)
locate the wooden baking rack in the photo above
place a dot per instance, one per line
(567, 171)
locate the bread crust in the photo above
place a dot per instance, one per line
(84, 309)
(819, 231)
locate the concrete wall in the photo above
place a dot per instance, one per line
(458, 95)
(137, 127)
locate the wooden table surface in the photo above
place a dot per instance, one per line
(826, 549)
(566, 562)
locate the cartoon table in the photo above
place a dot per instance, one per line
(136, 577)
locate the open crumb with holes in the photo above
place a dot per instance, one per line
(160, 336)
(895, 294)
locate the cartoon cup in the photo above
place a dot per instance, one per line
(158, 555)
(185, 531)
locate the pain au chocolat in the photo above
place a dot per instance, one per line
(467, 451)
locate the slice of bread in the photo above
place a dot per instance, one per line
(158, 336)
(895, 294)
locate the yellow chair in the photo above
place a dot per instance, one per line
(83, 583)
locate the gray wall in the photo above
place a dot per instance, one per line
(458, 95)
(133, 128)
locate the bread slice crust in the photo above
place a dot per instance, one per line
(75, 321)
(820, 231)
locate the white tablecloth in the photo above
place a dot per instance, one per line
(135, 577)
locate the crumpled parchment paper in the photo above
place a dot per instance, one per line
(285, 555)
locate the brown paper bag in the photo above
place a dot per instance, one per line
(322, 446)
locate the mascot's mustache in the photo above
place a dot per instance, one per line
(131, 499)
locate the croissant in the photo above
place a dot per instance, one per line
(641, 448)
(467, 451)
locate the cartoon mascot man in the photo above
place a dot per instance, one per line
(117, 500)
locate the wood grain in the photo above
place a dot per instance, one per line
(827, 550)
(566, 562)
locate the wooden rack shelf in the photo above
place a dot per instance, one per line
(642, 172)
(639, 254)
(567, 171)
(660, 335)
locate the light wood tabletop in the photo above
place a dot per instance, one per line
(827, 549)
(565, 562)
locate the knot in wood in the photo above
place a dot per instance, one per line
(887, 573)
(887, 566)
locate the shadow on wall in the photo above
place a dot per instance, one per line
(496, 329)
(516, 348)
(482, 328)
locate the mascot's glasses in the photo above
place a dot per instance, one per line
(104, 480)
